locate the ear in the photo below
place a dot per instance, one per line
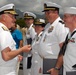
(75, 18)
(3, 17)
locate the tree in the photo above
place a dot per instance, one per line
(21, 22)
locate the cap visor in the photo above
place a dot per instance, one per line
(11, 12)
(45, 10)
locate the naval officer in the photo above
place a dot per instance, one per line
(8, 52)
(30, 34)
(54, 33)
(36, 59)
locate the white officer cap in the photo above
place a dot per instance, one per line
(70, 10)
(40, 22)
(9, 8)
(50, 6)
(29, 15)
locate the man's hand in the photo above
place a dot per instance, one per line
(20, 57)
(53, 71)
(40, 70)
(26, 48)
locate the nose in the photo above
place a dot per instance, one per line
(14, 18)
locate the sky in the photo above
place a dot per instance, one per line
(36, 6)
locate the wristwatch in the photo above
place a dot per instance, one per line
(56, 68)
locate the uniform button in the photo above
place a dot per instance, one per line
(36, 53)
(36, 61)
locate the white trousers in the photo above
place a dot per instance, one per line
(25, 70)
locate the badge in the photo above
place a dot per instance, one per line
(37, 38)
(72, 40)
(50, 29)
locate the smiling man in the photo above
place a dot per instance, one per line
(8, 52)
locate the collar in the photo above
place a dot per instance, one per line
(30, 26)
(56, 21)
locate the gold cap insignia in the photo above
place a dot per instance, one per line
(45, 5)
(26, 14)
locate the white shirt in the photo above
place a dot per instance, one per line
(70, 55)
(36, 59)
(6, 40)
(52, 36)
(30, 33)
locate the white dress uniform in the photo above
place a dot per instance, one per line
(36, 59)
(70, 55)
(52, 36)
(7, 67)
(30, 33)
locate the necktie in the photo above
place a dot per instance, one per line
(63, 49)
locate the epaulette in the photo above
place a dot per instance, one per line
(4, 28)
(61, 21)
(33, 26)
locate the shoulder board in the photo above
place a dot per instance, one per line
(33, 26)
(61, 21)
(4, 28)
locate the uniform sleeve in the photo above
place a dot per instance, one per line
(61, 32)
(6, 40)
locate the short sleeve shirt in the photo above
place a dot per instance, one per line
(6, 40)
(17, 36)
(53, 35)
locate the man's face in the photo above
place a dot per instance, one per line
(38, 28)
(49, 15)
(29, 22)
(68, 19)
(10, 20)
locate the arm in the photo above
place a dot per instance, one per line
(21, 44)
(8, 54)
(20, 55)
(55, 71)
(59, 63)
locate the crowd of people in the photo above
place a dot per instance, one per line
(54, 40)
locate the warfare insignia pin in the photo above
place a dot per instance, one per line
(50, 29)
(72, 40)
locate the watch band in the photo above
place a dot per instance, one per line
(56, 68)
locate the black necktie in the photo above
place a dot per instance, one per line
(63, 49)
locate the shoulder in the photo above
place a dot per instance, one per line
(4, 28)
(61, 21)
(32, 29)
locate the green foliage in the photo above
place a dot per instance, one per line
(21, 22)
